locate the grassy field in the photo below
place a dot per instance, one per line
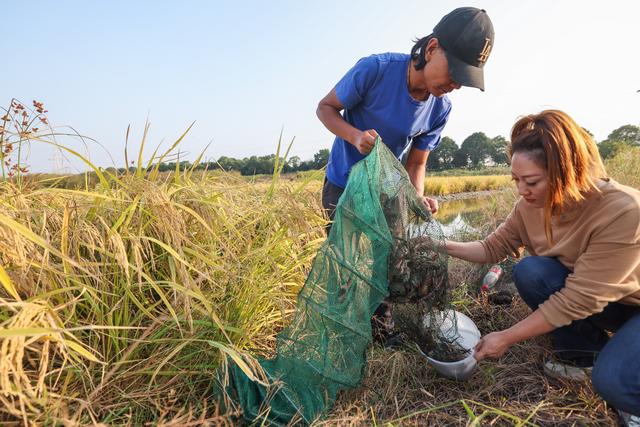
(120, 300)
(488, 170)
(436, 183)
(444, 185)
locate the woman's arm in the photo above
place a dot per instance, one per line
(505, 241)
(496, 344)
(468, 251)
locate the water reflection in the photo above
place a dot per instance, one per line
(458, 226)
(462, 217)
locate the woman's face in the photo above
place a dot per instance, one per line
(530, 179)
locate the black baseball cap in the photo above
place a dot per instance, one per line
(466, 35)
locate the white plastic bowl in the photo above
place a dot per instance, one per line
(465, 333)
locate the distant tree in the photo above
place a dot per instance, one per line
(609, 149)
(229, 163)
(433, 161)
(461, 158)
(250, 166)
(266, 164)
(478, 147)
(306, 165)
(628, 134)
(293, 164)
(321, 158)
(624, 136)
(442, 157)
(499, 150)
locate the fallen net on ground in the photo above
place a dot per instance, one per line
(381, 245)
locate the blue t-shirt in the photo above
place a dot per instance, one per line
(374, 94)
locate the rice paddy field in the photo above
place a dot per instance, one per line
(122, 299)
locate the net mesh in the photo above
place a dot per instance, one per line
(382, 245)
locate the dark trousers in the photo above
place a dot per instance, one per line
(330, 195)
(585, 342)
(382, 321)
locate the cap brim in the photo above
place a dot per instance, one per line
(465, 74)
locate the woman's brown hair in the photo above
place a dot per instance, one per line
(566, 151)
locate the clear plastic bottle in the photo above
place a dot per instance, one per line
(491, 278)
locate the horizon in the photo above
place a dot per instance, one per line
(100, 67)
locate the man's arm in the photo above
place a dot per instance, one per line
(328, 112)
(416, 166)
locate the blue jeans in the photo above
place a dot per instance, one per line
(615, 360)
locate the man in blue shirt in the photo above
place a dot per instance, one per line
(403, 99)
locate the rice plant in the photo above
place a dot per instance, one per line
(121, 299)
(443, 185)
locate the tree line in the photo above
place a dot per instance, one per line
(477, 150)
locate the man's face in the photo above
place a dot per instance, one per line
(436, 71)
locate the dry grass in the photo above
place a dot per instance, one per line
(399, 388)
(118, 304)
(442, 185)
(625, 167)
(119, 300)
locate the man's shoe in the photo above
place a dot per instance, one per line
(563, 371)
(628, 420)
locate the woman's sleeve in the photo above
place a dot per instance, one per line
(608, 271)
(506, 239)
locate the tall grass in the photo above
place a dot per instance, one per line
(120, 300)
(625, 167)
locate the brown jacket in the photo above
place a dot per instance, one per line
(598, 240)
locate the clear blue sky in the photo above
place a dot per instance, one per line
(244, 70)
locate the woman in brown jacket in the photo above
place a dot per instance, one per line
(583, 276)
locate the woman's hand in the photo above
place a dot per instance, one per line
(496, 344)
(364, 141)
(493, 345)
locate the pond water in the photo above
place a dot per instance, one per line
(462, 217)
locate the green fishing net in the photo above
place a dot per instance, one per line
(383, 244)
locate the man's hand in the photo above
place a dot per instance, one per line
(493, 345)
(430, 204)
(365, 141)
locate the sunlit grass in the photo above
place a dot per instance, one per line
(440, 185)
(121, 295)
(124, 295)
(625, 167)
